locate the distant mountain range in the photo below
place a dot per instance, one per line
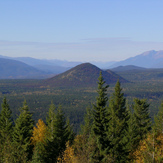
(127, 68)
(12, 69)
(27, 67)
(149, 59)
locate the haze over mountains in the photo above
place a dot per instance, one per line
(149, 59)
(27, 67)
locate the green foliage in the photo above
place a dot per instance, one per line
(158, 125)
(118, 125)
(86, 128)
(23, 132)
(5, 121)
(97, 140)
(59, 132)
(141, 123)
(5, 129)
(100, 122)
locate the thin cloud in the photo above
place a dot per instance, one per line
(91, 49)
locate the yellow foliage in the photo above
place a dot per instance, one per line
(39, 132)
(68, 155)
(150, 149)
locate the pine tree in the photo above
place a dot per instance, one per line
(158, 126)
(83, 143)
(118, 125)
(5, 121)
(58, 132)
(22, 133)
(87, 126)
(70, 135)
(100, 122)
(6, 127)
(141, 121)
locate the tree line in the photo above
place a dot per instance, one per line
(113, 132)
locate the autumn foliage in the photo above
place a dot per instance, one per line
(39, 132)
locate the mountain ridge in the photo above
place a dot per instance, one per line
(12, 69)
(148, 59)
(83, 75)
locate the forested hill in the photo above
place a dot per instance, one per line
(12, 69)
(83, 75)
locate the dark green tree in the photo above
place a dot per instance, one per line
(40, 153)
(141, 122)
(59, 132)
(70, 135)
(6, 127)
(22, 133)
(5, 121)
(100, 122)
(158, 125)
(84, 144)
(118, 125)
(87, 126)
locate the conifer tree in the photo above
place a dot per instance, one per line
(100, 122)
(5, 121)
(118, 125)
(6, 127)
(23, 132)
(58, 132)
(87, 126)
(83, 142)
(141, 121)
(70, 135)
(158, 125)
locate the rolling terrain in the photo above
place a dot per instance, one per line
(12, 69)
(83, 75)
(75, 89)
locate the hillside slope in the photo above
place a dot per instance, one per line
(12, 69)
(83, 75)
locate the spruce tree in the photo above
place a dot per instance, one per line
(118, 125)
(5, 121)
(87, 126)
(83, 143)
(70, 135)
(58, 132)
(141, 121)
(158, 125)
(6, 127)
(22, 133)
(100, 122)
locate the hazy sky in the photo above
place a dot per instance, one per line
(80, 30)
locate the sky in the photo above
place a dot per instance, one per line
(80, 30)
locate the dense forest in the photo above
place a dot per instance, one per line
(114, 130)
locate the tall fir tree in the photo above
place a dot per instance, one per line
(87, 126)
(5, 120)
(59, 133)
(141, 122)
(22, 133)
(83, 142)
(6, 127)
(118, 125)
(100, 122)
(158, 125)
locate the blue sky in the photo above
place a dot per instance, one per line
(80, 30)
